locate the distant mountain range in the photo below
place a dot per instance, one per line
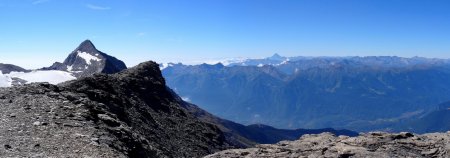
(86, 60)
(103, 109)
(357, 93)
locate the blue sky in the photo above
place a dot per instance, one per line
(36, 33)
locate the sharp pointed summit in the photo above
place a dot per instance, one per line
(86, 60)
(87, 46)
(276, 56)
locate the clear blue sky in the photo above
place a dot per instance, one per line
(35, 33)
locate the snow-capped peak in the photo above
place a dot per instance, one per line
(223, 61)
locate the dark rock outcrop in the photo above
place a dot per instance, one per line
(367, 145)
(86, 60)
(7, 68)
(128, 114)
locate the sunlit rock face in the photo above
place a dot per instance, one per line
(375, 144)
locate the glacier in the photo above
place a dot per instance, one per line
(50, 76)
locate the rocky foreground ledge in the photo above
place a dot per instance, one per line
(374, 144)
(128, 114)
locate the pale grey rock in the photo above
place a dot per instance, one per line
(375, 144)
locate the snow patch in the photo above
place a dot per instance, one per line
(162, 66)
(229, 61)
(281, 63)
(69, 68)
(50, 76)
(87, 57)
(186, 99)
(5, 81)
(210, 61)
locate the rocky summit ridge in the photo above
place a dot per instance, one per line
(128, 114)
(375, 144)
(8, 68)
(133, 113)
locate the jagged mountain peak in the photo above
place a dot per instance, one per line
(127, 114)
(86, 60)
(86, 46)
(143, 71)
(276, 56)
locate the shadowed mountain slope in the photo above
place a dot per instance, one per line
(356, 93)
(7, 68)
